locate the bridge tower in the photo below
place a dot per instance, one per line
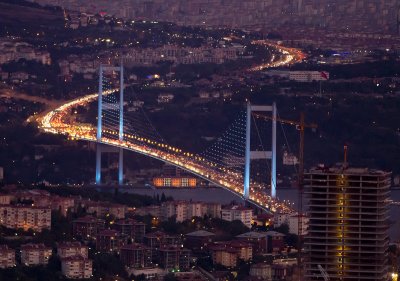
(102, 148)
(254, 155)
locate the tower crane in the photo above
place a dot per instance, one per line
(323, 273)
(301, 126)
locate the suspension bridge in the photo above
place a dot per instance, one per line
(226, 163)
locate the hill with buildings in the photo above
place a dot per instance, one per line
(377, 16)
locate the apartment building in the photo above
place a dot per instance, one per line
(25, 217)
(236, 212)
(35, 254)
(136, 256)
(7, 257)
(77, 267)
(70, 249)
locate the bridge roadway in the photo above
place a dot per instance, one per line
(58, 122)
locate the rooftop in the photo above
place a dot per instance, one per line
(134, 246)
(75, 258)
(253, 235)
(69, 244)
(87, 219)
(5, 248)
(237, 207)
(31, 246)
(340, 169)
(274, 233)
(200, 233)
(109, 232)
(129, 222)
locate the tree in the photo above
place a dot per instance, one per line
(170, 277)
(140, 277)
(283, 228)
(54, 263)
(108, 265)
(291, 239)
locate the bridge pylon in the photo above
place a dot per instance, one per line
(255, 155)
(100, 148)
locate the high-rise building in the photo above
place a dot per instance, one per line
(348, 227)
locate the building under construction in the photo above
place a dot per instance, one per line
(348, 229)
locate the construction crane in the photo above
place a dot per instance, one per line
(323, 273)
(301, 126)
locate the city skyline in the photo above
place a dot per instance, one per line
(199, 140)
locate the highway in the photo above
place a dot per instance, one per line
(288, 55)
(57, 122)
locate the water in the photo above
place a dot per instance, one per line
(224, 197)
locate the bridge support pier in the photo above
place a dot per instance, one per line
(100, 149)
(121, 167)
(98, 164)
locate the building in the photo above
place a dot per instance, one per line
(224, 256)
(228, 253)
(186, 210)
(198, 240)
(174, 257)
(71, 249)
(87, 227)
(152, 210)
(136, 256)
(103, 209)
(213, 210)
(25, 217)
(293, 223)
(298, 76)
(281, 218)
(283, 271)
(7, 257)
(158, 239)
(263, 220)
(42, 198)
(165, 98)
(261, 271)
(62, 204)
(110, 240)
(348, 228)
(5, 199)
(275, 241)
(236, 212)
(77, 267)
(182, 182)
(35, 254)
(153, 273)
(257, 239)
(177, 209)
(308, 76)
(131, 228)
(289, 159)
